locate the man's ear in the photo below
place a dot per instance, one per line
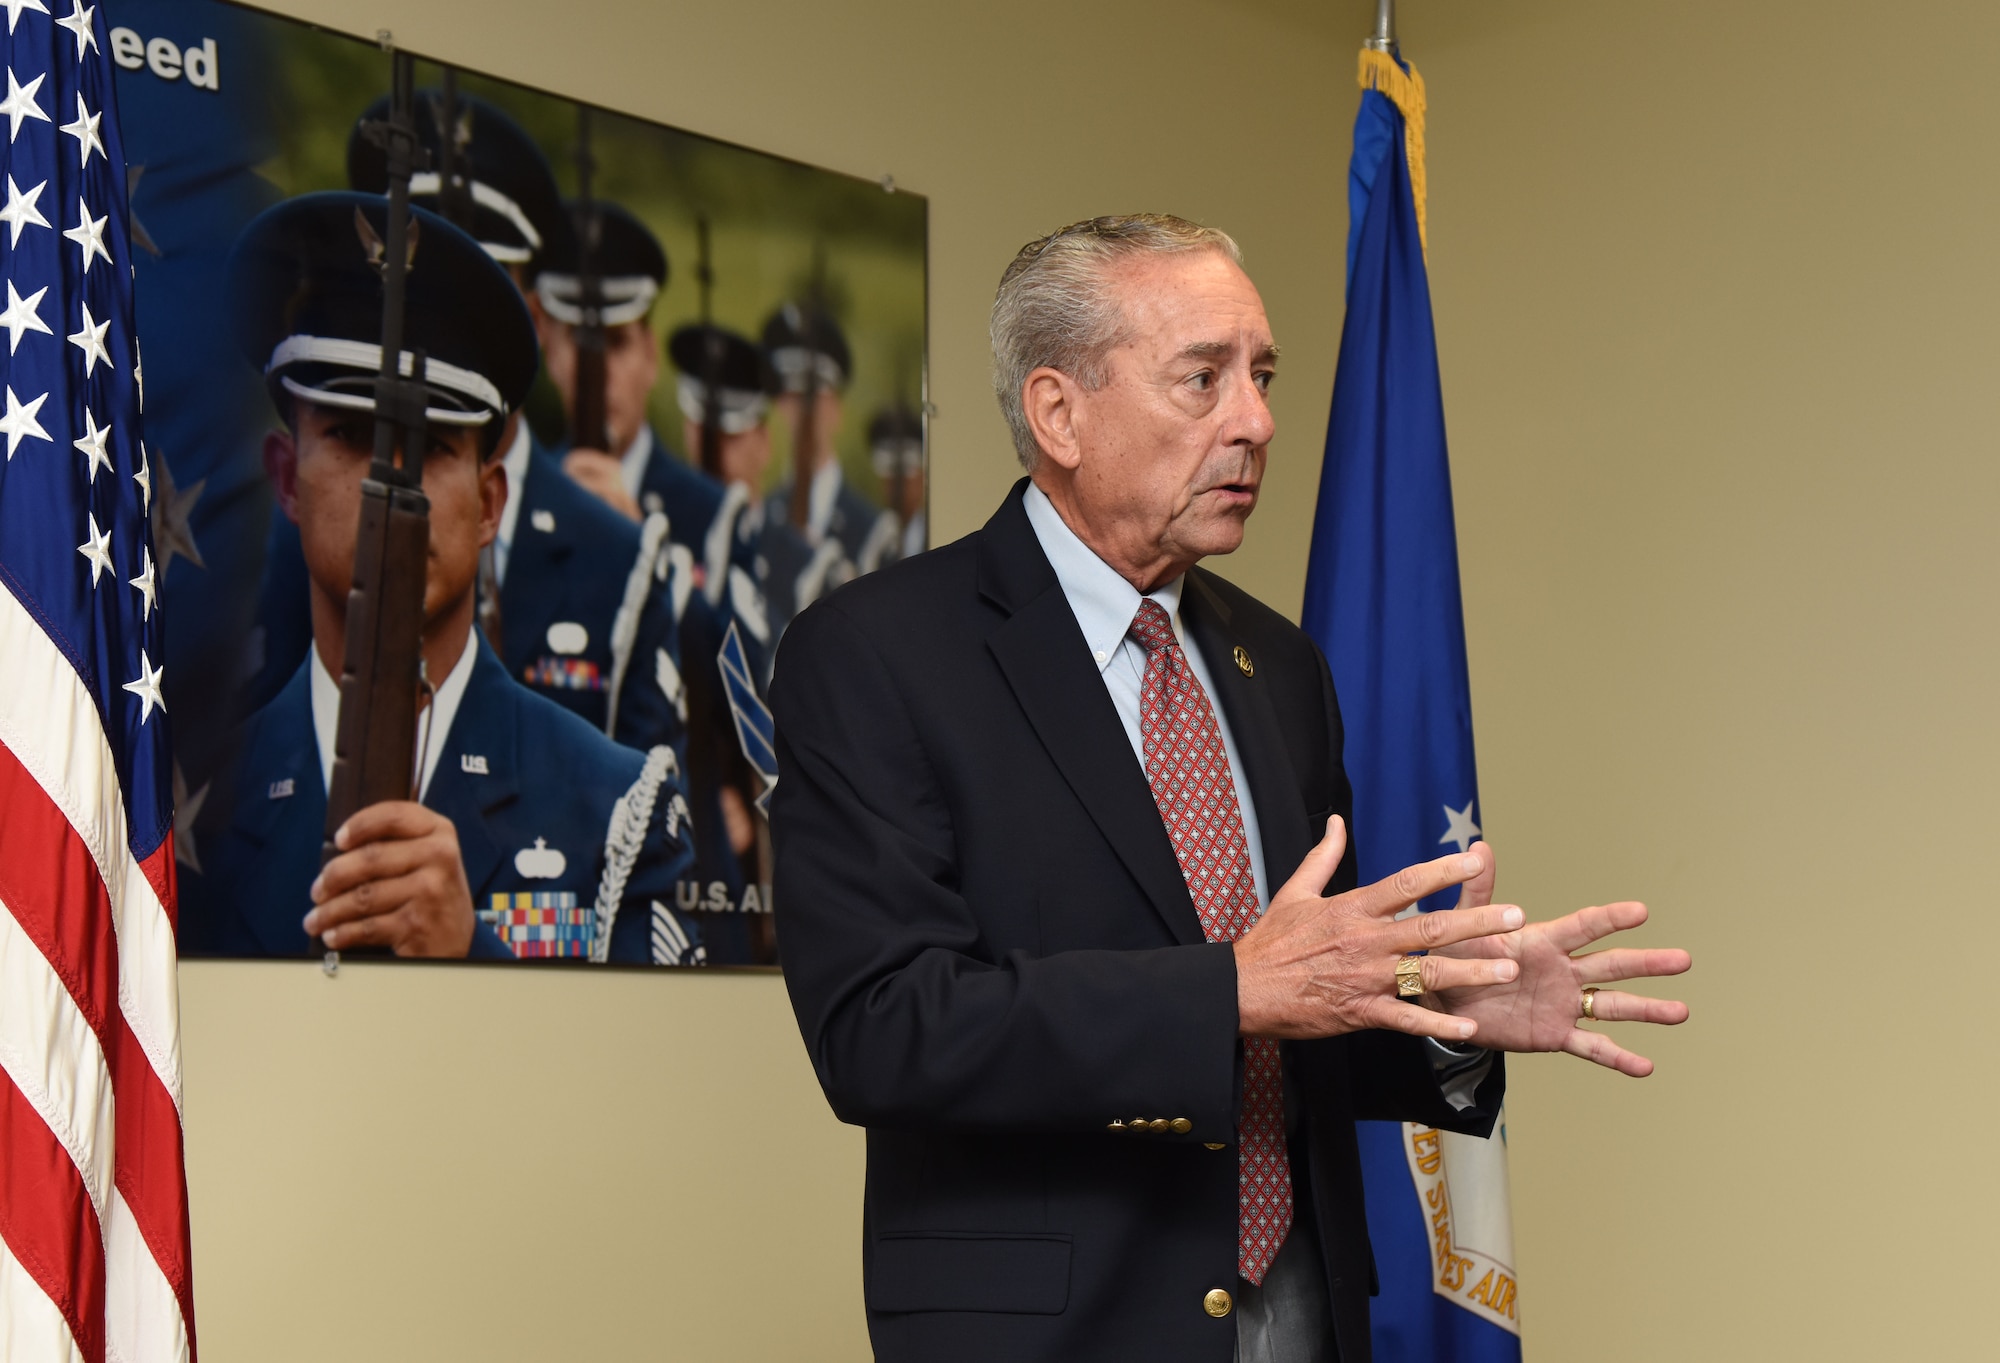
(281, 466)
(1048, 397)
(492, 499)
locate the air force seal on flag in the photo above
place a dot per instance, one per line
(1461, 1183)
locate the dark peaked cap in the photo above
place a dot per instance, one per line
(798, 336)
(307, 307)
(738, 367)
(516, 210)
(631, 267)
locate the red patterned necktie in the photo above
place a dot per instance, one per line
(1188, 769)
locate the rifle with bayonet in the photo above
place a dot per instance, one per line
(589, 416)
(454, 198)
(805, 436)
(381, 676)
(710, 457)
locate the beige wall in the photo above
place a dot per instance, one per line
(1718, 349)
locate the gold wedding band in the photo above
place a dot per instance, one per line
(1409, 977)
(1590, 1004)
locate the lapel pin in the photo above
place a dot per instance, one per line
(544, 521)
(1243, 662)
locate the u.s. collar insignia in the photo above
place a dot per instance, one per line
(540, 862)
(1248, 668)
(282, 790)
(473, 764)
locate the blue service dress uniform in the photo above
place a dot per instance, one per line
(715, 529)
(864, 530)
(565, 835)
(573, 565)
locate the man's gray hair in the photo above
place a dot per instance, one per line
(1054, 310)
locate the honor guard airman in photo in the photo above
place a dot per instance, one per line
(896, 448)
(810, 353)
(722, 388)
(637, 474)
(533, 834)
(581, 604)
(594, 306)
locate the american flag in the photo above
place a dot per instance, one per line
(93, 1194)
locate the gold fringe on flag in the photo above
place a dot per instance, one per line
(1405, 89)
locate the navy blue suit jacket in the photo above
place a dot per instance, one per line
(518, 776)
(997, 967)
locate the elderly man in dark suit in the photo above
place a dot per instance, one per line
(1062, 883)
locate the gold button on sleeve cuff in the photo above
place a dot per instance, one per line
(1213, 1145)
(1180, 1126)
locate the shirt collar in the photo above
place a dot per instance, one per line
(515, 461)
(444, 709)
(1104, 603)
(632, 463)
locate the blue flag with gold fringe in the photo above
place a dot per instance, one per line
(1382, 599)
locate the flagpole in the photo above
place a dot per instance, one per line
(1384, 37)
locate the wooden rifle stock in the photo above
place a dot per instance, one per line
(374, 748)
(805, 440)
(711, 360)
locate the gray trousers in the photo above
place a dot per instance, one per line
(1287, 1318)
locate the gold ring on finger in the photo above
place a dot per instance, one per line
(1590, 1004)
(1409, 977)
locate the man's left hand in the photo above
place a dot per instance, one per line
(1539, 1009)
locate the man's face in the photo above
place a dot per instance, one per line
(631, 367)
(743, 457)
(1163, 461)
(318, 467)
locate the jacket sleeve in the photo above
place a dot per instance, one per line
(910, 1020)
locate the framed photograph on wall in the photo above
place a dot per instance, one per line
(670, 392)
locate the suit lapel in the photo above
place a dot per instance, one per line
(478, 769)
(1042, 653)
(1253, 722)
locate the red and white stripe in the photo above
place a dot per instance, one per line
(94, 1249)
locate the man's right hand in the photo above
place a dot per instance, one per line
(604, 475)
(1314, 966)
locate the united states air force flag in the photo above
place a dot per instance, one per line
(1382, 600)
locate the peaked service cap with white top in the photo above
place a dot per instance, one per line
(306, 301)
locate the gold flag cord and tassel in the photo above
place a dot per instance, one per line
(1404, 89)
